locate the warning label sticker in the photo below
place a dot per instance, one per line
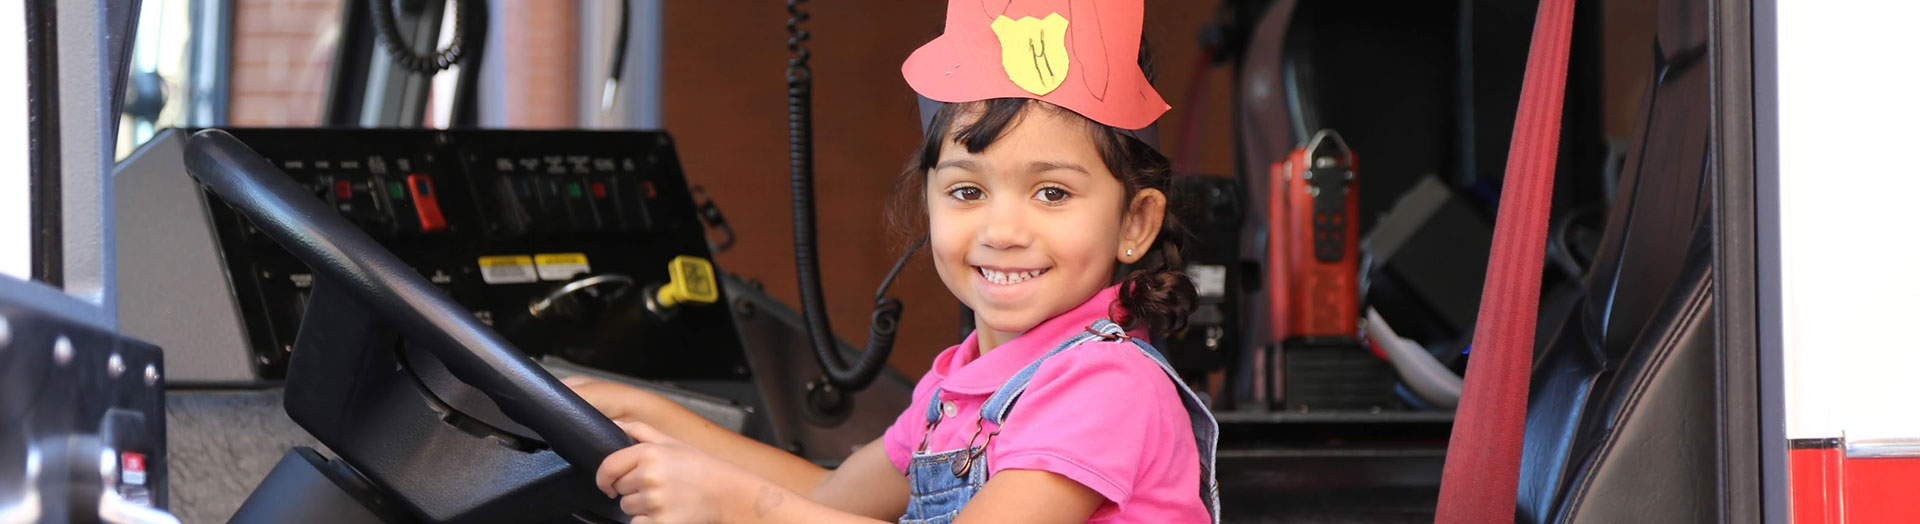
(561, 266)
(508, 269)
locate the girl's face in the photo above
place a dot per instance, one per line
(1033, 225)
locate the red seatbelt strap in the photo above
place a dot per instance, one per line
(1481, 479)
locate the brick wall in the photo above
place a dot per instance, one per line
(539, 49)
(281, 52)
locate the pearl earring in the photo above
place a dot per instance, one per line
(1129, 252)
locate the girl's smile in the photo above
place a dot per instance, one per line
(1005, 285)
(1007, 277)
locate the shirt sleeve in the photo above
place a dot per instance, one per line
(1095, 414)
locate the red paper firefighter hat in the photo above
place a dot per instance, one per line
(1082, 55)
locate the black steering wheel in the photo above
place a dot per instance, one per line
(396, 297)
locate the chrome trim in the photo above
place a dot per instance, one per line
(539, 307)
(1883, 448)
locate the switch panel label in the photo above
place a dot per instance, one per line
(509, 269)
(561, 266)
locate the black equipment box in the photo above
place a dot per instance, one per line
(1211, 212)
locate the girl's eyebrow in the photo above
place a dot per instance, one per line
(962, 163)
(1042, 166)
(1037, 166)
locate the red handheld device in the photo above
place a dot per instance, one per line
(1313, 247)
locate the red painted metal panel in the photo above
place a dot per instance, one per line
(1881, 489)
(1815, 481)
(1830, 488)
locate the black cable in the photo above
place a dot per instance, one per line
(466, 90)
(619, 65)
(881, 294)
(403, 55)
(813, 302)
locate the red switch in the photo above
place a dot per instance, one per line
(343, 190)
(426, 204)
(599, 189)
(133, 468)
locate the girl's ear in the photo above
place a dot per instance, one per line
(1140, 226)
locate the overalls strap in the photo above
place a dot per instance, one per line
(995, 410)
(933, 407)
(1025, 375)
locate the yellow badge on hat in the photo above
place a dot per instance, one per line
(1034, 51)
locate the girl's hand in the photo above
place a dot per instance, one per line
(617, 401)
(662, 480)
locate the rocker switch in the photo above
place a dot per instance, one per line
(426, 203)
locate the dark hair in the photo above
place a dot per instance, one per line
(1155, 293)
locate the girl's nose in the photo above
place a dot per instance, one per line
(1005, 226)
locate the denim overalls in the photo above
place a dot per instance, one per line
(943, 482)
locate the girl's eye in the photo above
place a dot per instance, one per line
(967, 193)
(1051, 195)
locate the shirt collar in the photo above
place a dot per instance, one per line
(970, 373)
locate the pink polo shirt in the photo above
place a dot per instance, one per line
(1102, 414)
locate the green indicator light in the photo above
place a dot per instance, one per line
(573, 190)
(395, 190)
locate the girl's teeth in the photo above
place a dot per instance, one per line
(1005, 278)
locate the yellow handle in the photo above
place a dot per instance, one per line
(689, 279)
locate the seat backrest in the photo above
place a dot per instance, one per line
(1619, 421)
(1628, 439)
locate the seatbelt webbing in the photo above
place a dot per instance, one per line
(1481, 479)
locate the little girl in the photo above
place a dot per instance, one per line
(1037, 183)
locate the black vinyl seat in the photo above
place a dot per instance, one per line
(1621, 415)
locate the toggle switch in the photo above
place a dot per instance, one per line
(426, 204)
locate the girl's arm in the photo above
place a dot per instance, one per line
(1017, 496)
(663, 480)
(866, 484)
(621, 402)
(1032, 497)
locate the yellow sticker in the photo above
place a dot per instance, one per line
(560, 258)
(507, 269)
(1034, 51)
(561, 266)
